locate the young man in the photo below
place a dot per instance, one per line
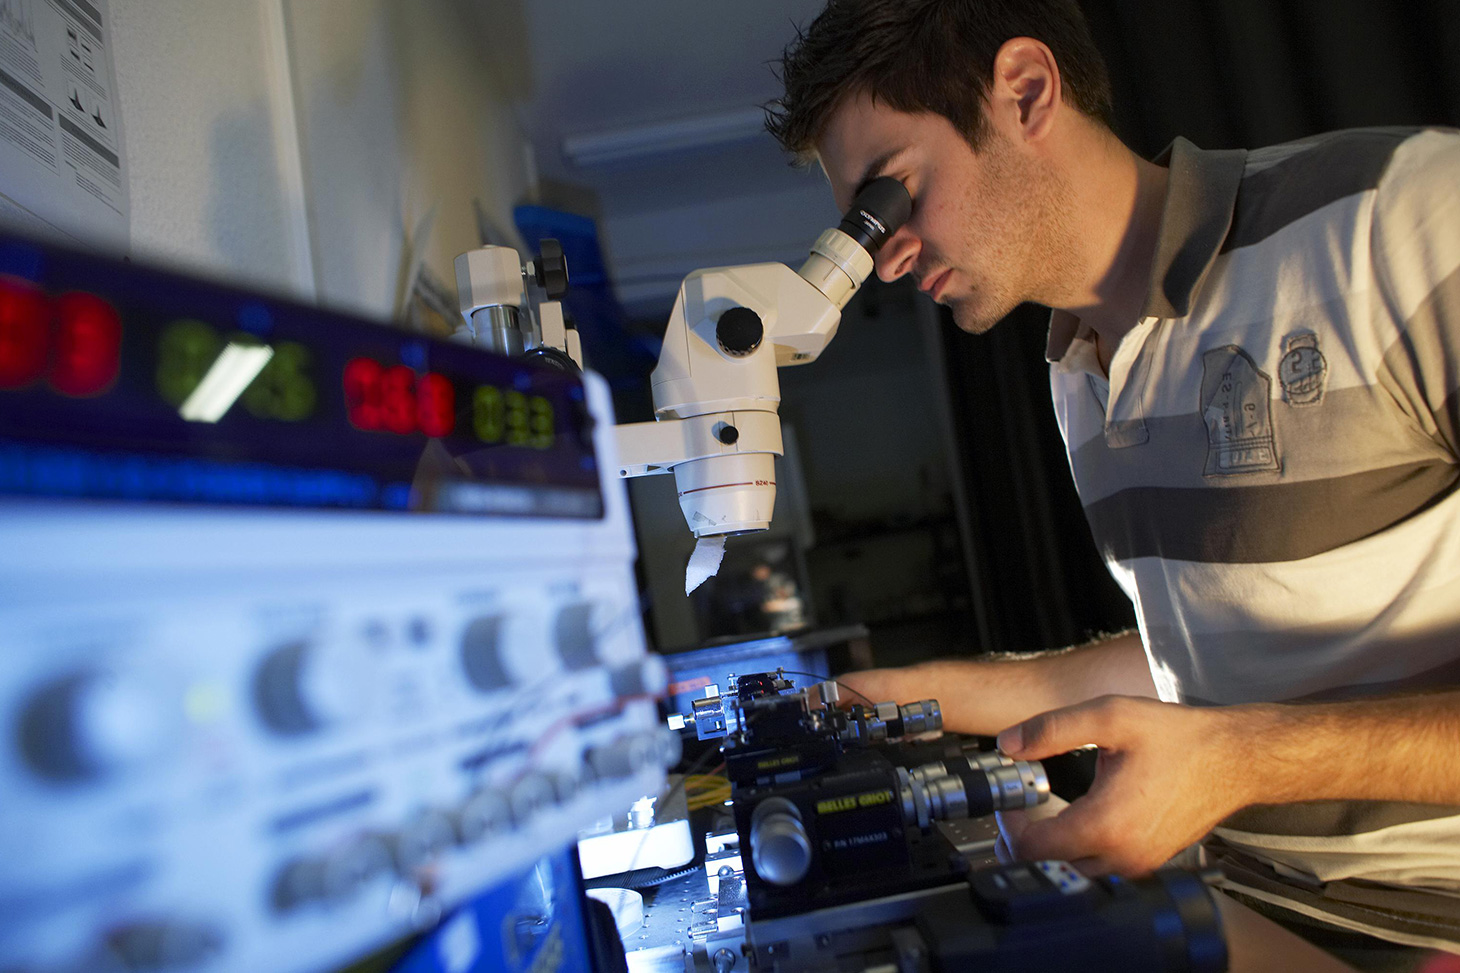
(1255, 364)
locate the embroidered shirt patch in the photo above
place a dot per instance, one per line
(1238, 413)
(1303, 372)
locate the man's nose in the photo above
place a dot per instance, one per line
(898, 255)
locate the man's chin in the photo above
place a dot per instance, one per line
(974, 316)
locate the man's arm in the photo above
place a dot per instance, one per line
(1403, 748)
(986, 695)
(1168, 774)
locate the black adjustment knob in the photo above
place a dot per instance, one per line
(552, 269)
(555, 359)
(739, 331)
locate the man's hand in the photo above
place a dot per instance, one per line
(1165, 776)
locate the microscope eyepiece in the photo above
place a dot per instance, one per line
(841, 259)
(879, 211)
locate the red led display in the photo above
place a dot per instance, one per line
(25, 333)
(393, 399)
(88, 345)
(435, 404)
(362, 393)
(397, 401)
(74, 341)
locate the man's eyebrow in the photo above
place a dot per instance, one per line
(876, 169)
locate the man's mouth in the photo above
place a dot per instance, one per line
(934, 284)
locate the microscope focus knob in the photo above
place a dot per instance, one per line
(739, 331)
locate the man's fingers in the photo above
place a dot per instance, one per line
(1051, 838)
(1059, 731)
(1079, 831)
(1003, 852)
(1088, 839)
(1050, 843)
(1091, 867)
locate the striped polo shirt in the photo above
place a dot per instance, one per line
(1270, 469)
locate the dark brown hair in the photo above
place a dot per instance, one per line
(926, 56)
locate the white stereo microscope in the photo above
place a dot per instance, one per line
(715, 388)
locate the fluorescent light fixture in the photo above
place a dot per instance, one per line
(235, 368)
(665, 138)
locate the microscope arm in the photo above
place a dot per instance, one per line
(647, 448)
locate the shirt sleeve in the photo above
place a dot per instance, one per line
(1415, 249)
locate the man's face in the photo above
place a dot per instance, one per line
(986, 229)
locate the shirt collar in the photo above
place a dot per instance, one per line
(1201, 194)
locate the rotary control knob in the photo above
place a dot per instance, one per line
(1020, 784)
(484, 813)
(626, 755)
(739, 331)
(576, 633)
(94, 723)
(530, 795)
(305, 686)
(648, 676)
(334, 876)
(505, 649)
(481, 659)
(163, 945)
(421, 841)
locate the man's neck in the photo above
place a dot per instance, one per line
(1120, 200)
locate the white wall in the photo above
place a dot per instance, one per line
(405, 123)
(207, 192)
(297, 145)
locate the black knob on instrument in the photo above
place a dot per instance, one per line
(552, 269)
(739, 331)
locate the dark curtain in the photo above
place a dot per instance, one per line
(1225, 74)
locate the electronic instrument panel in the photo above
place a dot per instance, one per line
(310, 629)
(124, 383)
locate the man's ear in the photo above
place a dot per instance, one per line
(1025, 94)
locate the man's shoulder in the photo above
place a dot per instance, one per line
(1285, 183)
(1353, 158)
(1336, 146)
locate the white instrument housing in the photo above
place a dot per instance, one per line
(246, 740)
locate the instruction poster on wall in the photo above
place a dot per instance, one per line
(61, 157)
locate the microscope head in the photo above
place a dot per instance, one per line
(731, 328)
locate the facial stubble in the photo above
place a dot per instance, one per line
(1029, 238)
